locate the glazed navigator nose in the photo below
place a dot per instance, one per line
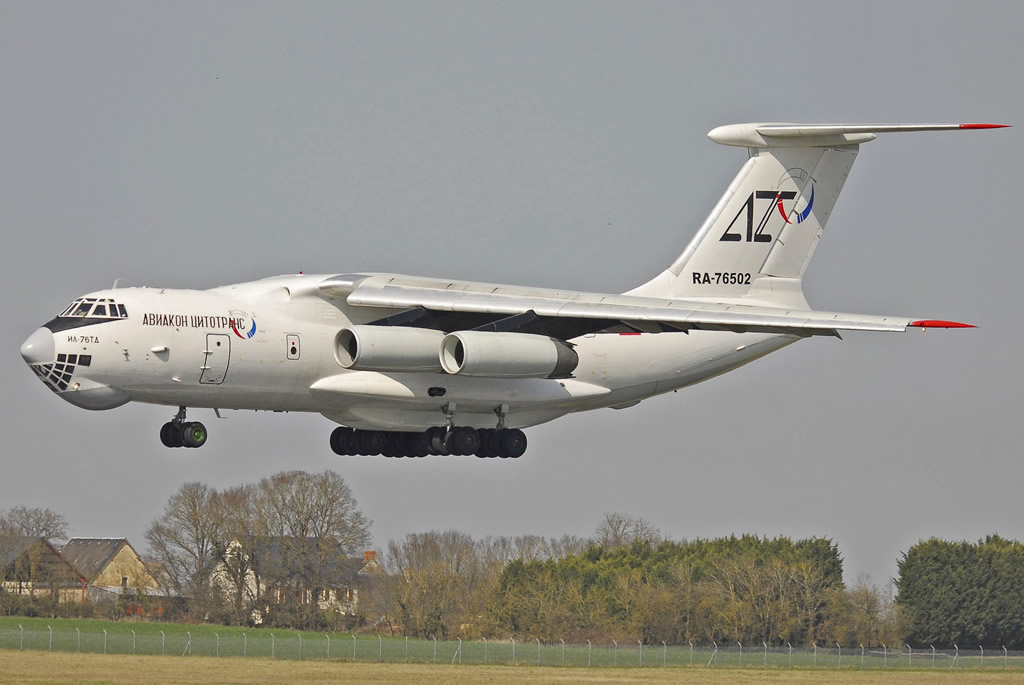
(39, 348)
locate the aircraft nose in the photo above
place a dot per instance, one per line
(39, 347)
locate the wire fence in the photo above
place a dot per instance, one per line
(340, 647)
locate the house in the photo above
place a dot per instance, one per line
(33, 567)
(291, 571)
(111, 567)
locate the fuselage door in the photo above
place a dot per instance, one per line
(217, 355)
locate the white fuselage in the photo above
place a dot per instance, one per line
(271, 345)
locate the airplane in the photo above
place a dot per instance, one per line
(410, 366)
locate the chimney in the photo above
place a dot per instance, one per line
(368, 556)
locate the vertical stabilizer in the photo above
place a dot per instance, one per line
(756, 243)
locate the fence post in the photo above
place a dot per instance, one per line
(380, 648)
(538, 650)
(188, 645)
(458, 651)
(163, 643)
(22, 631)
(910, 656)
(563, 650)
(78, 634)
(933, 655)
(406, 649)
(862, 655)
(713, 654)
(615, 657)
(815, 645)
(982, 656)
(840, 655)
(133, 641)
(956, 655)
(435, 649)
(741, 652)
(104, 640)
(1004, 656)
(353, 648)
(245, 643)
(664, 654)
(215, 635)
(641, 653)
(273, 646)
(588, 653)
(885, 656)
(765, 653)
(51, 637)
(300, 646)
(485, 650)
(691, 652)
(328, 636)
(513, 651)
(790, 654)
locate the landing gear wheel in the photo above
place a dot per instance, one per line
(463, 441)
(512, 442)
(340, 441)
(371, 442)
(419, 444)
(169, 435)
(437, 437)
(484, 451)
(193, 434)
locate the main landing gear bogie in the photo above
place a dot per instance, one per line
(181, 433)
(507, 443)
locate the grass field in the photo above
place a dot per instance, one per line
(45, 667)
(73, 650)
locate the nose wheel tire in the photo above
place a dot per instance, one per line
(193, 434)
(183, 434)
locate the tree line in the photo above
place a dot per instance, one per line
(294, 534)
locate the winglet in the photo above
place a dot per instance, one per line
(936, 323)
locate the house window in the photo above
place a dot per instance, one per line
(124, 581)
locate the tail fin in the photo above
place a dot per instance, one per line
(756, 243)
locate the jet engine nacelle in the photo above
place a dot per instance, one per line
(388, 348)
(506, 355)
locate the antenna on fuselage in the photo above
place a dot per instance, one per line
(116, 281)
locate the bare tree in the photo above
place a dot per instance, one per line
(316, 527)
(34, 522)
(184, 540)
(619, 530)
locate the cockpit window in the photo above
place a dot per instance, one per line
(102, 308)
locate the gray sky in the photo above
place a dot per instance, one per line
(562, 144)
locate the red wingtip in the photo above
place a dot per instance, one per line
(936, 323)
(985, 126)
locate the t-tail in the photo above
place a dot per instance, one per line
(755, 245)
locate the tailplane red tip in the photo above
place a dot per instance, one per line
(936, 323)
(985, 126)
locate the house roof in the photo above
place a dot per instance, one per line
(13, 546)
(285, 556)
(51, 565)
(90, 556)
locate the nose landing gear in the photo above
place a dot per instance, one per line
(181, 433)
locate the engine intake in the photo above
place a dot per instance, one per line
(507, 355)
(388, 348)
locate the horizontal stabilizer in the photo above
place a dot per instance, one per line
(820, 135)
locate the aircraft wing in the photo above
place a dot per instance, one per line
(450, 305)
